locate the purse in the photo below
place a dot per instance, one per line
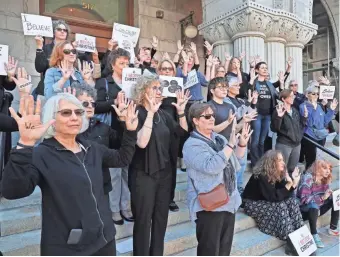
(214, 199)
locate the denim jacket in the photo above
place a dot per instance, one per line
(52, 77)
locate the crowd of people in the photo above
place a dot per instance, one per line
(101, 158)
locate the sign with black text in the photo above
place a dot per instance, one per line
(327, 92)
(129, 80)
(128, 46)
(303, 241)
(3, 58)
(34, 25)
(192, 79)
(86, 43)
(336, 200)
(170, 85)
(122, 32)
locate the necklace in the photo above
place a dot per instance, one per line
(159, 119)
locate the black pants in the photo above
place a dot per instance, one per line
(108, 250)
(214, 232)
(308, 150)
(150, 198)
(312, 215)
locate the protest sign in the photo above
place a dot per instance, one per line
(122, 32)
(303, 241)
(3, 59)
(86, 43)
(336, 200)
(146, 72)
(34, 25)
(170, 85)
(129, 79)
(192, 79)
(327, 92)
(128, 46)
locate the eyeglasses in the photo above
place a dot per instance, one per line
(68, 51)
(60, 30)
(208, 116)
(87, 104)
(68, 112)
(155, 88)
(314, 93)
(167, 69)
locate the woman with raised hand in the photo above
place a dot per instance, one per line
(150, 174)
(212, 162)
(63, 71)
(76, 217)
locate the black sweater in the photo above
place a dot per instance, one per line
(42, 64)
(258, 188)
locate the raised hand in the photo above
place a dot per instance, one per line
(253, 76)
(30, 127)
(23, 82)
(288, 178)
(248, 117)
(324, 80)
(334, 104)
(166, 56)
(131, 120)
(257, 59)
(252, 62)
(245, 135)
(208, 46)
(137, 63)
(95, 56)
(252, 96)
(242, 55)
(152, 105)
(324, 102)
(280, 110)
(65, 71)
(296, 176)
(215, 60)
(185, 57)
(70, 90)
(85, 70)
(154, 42)
(11, 67)
(121, 106)
(228, 57)
(193, 47)
(290, 61)
(233, 137)
(305, 111)
(210, 61)
(179, 46)
(182, 100)
(112, 44)
(231, 117)
(39, 40)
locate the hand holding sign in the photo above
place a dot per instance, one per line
(37, 25)
(39, 40)
(112, 45)
(11, 66)
(336, 200)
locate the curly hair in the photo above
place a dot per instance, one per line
(143, 83)
(58, 55)
(83, 87)
(114, 55)
(267, 166)
(315, 170)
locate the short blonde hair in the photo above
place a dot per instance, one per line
(143, 83)
(163, 61)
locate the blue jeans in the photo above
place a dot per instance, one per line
(261, 129)
(239, 173)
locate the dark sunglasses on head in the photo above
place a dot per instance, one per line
(60, 30)
(208, 116)
(68, 51)
(68, 112)
(167, 69)
(87, 104)
(314, 93)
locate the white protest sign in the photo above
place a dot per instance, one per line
(34, 25)
(192, 79)
(129, 79)
(146, 72)
(327, 92)
(303, 241)
(122, 32)
(3, 59)
(170, 85)
(86, 43)
(336, 200)
(128, 46)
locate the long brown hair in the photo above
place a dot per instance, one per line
(316, 167)
(267, 166)
(58, 55)
(231, 63)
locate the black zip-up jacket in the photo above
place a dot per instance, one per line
(42, 64)
(289, 129)
(72, 191)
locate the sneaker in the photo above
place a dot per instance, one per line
(333, 232)
(173, 207)
(117, 218)
(318, 241)
(127, 215)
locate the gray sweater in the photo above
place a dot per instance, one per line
(205, 169)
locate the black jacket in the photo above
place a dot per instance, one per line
(72, 191)
(7, 123)
(5, 84)
(289, 129)
(299, 99)
(42, 64)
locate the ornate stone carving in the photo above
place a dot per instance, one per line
(278, 4)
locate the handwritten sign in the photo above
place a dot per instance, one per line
(336, 200)
(37, 25)
(327, 92)
(303, 241)
(122, 32)
(128, 46)
(170, 85)
(129, 79)
(3, 59)
(86, 43)
(192, 79)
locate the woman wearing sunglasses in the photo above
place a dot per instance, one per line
(212, 162)
(317, 121)
(76, 217)
(63, 71)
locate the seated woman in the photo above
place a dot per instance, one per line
(269, 200)
(315, 195)
(211, 161)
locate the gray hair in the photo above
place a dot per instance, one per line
(291, 82)
(143, 82)
(51, 107)
(114, 55)
(56, 23)
(83, 87)
(197, 109)
(312, 88)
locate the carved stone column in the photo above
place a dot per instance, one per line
(294, 49)
(221, 48)
(275, 56)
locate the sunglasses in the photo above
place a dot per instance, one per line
(314, 93)
(167, 69)
(68, 112)
(60, 30)
(68, 51)
(87, 104)
(155, 88)
(208, 116)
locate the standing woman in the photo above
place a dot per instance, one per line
(150, 174)
(76, 217)
(212, 161)
(63, 71)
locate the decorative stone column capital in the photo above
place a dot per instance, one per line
(248, 34)
(276, 39)
(221, 42)
(295, 44)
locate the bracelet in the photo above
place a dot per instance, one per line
(181, 115)
(241, 145)
(231, 147)
(147, 127)
(24, 146)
